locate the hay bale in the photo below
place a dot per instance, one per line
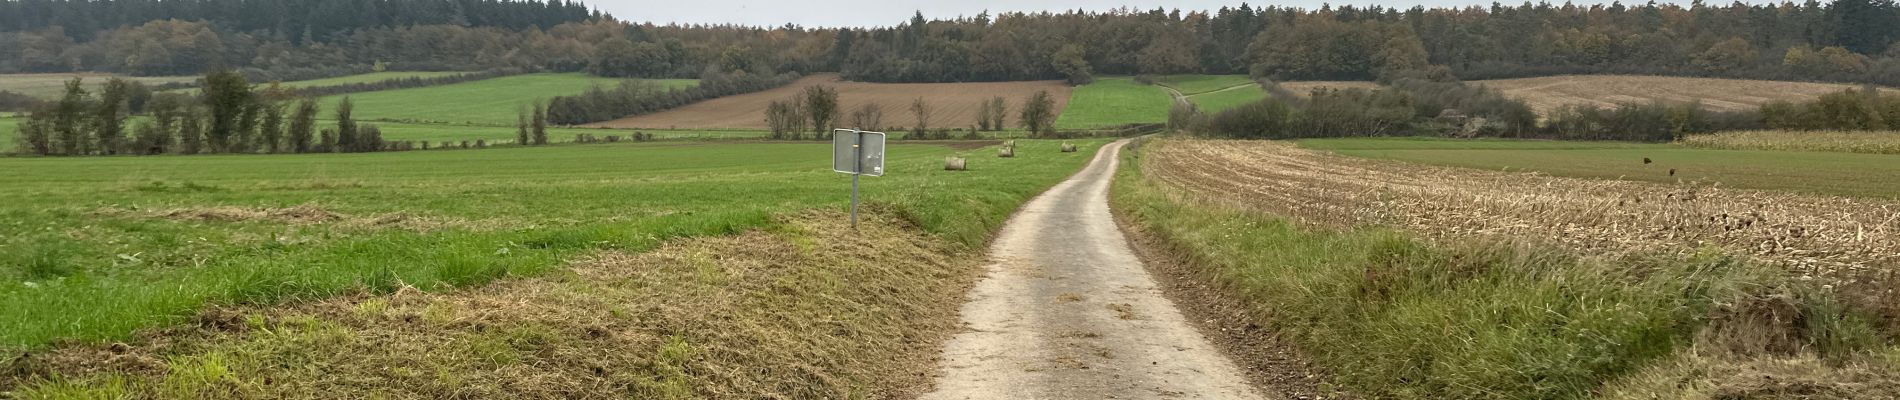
(1068, 147)
(954, 164)
(1006, 152)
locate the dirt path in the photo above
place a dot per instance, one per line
(1068, 312)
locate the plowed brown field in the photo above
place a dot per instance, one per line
(1837, 238)
(952, 105)
(1550, 92)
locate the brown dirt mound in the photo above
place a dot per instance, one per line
(953, 105)
(1550, 92)
(813, 309)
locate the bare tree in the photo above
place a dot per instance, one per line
(999, 110)
(921, 110)
(868, 116)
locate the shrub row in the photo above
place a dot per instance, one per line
(636, 97)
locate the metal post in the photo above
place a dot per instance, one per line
(857, 155)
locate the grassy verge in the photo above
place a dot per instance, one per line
(1845, 174)
(1391, 316)
(96, 248)
(1114, 101)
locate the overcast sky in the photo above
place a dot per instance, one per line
(832, 13)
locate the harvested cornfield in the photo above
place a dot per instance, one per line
(952, 105)
(1839, 239)
(1550, 92)
(1872, 142)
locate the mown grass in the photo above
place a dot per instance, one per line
(94, 248)
(1113, 101)
(9, 129)
(1874, 142)
(1193, 84)
(1861, 175)
(488, 102)
(1391, 316)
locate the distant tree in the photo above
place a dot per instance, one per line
(983, 115)
(69, 120)
(226, 96)
(540, 123)
(245, 139)
(271, 128)
(1728, 55)
(821, 105)
(1038, 114)
(868, 117)
(345, 139)
(303, 125)
(1072, 62)
(161, 137)
(999, 110)
(36, 136)
(327, 141)
(779, 117)
(191, 130)
(108, 118)
(521, 125)
(920, 110)
(370, 138)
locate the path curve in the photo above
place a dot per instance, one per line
(1067, 311)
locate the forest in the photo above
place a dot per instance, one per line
(1842, 41)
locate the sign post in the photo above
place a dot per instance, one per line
(857, 153)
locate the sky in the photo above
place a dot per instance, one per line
(860, 13)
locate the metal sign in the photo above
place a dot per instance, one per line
(857, 152)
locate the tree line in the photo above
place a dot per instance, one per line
(1841, 40)
(636, 97)
(816, 108)
(227, 116)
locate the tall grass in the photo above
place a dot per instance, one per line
(1872, 142)
(1392, 316)
(92, 249)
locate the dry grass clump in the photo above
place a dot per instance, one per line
(1873, 142)
(302, 214)
(1852, 244)
(809, 310)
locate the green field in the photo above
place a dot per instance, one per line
(9, 128)
(1113, 101)
(1193, 84)
(437, 133)
(1864, 175)
(490, 101)
(369, 77)
(98, 247)
(1217, 101)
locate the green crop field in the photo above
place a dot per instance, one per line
(97, 247)
(9, 128)
(369, 77)
(1864, 175)
(1112, 101)
(1193, 84)
(1221, 100)
(446, 132)
(489, 101)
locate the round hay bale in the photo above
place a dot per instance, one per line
(1068, 147)
(954, 164)
(1006, 152)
